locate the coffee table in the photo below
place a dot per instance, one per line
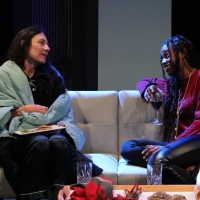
(190, 191)
(154, 188)
(150, 189)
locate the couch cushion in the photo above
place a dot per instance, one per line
(5, 189)
(109, 164)
(96, 113)
(131, 174)
(135, 114)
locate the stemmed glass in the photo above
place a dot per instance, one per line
(156, 102)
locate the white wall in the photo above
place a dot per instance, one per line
(131, 33)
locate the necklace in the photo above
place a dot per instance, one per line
(179, 104)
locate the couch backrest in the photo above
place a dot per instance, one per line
(135, 116)
(109, 118)
(96, 113)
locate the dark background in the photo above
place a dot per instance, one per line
(73, 32)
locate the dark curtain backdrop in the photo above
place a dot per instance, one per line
(7, 24)
(73, 35)
(186, 20)
(73, 30)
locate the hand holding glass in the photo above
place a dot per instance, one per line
(156, 101)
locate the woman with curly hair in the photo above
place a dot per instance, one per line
(179, 151)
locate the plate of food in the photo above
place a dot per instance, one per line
(42, 128)
(167, 195)
(160, 195)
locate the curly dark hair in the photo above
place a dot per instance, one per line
(178, 44)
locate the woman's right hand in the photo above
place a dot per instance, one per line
(149, 92)
(149, 150)
(33, 108)
(29, 109)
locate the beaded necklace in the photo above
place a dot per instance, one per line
(179, 104)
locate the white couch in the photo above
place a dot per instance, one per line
(108, 118)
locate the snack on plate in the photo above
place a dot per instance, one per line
(179, 197)
(44, 127)
(163, 195)
(160, 195)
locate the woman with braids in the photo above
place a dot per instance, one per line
(179, 152)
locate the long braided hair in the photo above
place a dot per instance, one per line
(178, 44)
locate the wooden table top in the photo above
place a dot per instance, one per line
(155, 188)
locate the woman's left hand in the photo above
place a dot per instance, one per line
(150, 149)
(151, 90)
(63, 194)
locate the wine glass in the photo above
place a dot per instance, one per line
(156, 102)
